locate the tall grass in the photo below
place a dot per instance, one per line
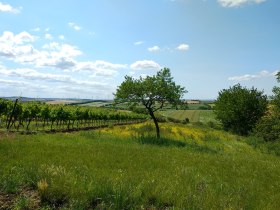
(190, 168)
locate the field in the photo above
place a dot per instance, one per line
(203, 116)
(123, 167)
(95, 104)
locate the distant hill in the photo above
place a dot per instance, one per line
(68, 100)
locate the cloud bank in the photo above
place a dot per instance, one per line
(248, 77)
(8, 8)
(238, 3)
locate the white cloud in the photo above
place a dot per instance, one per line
(37, 75)
(248, 77)
(145, 65)
(153, 49)
(138, 42)
(22, 86)
(238, 3)
(62, 63)
(61, 37)
(36, 29)
(8, 8)
(57, 55)
(12, 46)
(183, 47)
(100, 68)
(10, 38)
(34, 75)
(19, 48)
(74, 26)
(62, 50)
(48, 36)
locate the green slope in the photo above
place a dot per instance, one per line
(190, 168)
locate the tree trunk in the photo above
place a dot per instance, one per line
(12, 115)
(27, 127)
(156, 122)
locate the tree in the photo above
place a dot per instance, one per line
(276, 97)
(269, 126)
(153, 92)
(239, 109)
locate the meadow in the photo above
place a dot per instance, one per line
(125, 167)
(203, 116)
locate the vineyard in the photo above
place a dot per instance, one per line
(35, 116)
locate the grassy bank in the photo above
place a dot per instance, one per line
(123, 168)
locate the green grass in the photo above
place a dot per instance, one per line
(96, 104)
(203, 116)
(207, 116)
(190, 168)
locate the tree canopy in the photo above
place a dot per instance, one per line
(269, 126)
(153, 92)
(239, 109)
(276, 96)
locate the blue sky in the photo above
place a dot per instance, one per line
(83, 49)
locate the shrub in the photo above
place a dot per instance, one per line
(268, 128)
(211, 124)
(239, 109)
(170, 119)
(205, 107)
(186, 121)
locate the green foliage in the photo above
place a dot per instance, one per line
(174, 120)
(34, 116)
(276, 96)
(138, 110)
(159, 117)
(269, 147)
(150, 90)
(239, 109)
(268, 128)
(205, 107)
(22, 203)
(186, 121)
(153, 92)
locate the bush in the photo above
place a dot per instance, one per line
(268, 128)
(186, 121)
(170, 119)
(211, 124)
(205, 107)
(239, 109)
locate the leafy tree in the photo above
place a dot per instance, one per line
(154, 92)
(269, 126)
(239, 109)
(276, 97)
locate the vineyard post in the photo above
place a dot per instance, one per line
(11, 116)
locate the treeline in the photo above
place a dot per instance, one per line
(19, 116)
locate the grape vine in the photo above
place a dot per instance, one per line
(35, 116)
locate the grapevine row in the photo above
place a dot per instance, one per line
(41, 116)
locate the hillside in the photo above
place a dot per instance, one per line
(123, 167)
